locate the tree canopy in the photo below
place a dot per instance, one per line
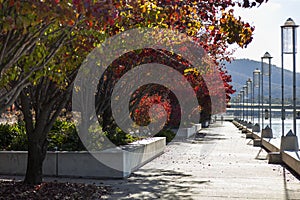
(43, 44)
(40, 28)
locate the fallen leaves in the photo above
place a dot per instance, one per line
(51, 190)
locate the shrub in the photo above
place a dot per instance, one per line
(120, 137)
(64, 137)
(13, 137)
(5, 135)
(166, 133)
(19, 141)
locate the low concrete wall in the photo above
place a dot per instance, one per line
(197, 127)
(289, 158)
(269, 146)
(115, 163)
(292, 160)
(185, 132)
(266, 143)
(15, 163)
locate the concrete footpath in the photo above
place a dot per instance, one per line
(221, 165)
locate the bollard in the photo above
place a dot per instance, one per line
(249, 125)
(255, 128)
(289, 142)
(267, 132)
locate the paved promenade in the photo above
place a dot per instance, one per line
(221, 165)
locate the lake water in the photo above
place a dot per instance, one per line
(277, 124)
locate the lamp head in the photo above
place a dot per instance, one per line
(267, 56)
(289, 23)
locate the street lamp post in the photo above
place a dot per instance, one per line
(235, 112)
(288, 46)
(240, 107)
(256, 84)
(252, 104)
(243, 103)
(266, 71)
(262, 100)
(245, 98)
(250, 95)
(245, 88)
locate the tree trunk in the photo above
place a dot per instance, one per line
(46, 107)
(37, 150)
(107, 120)
(37, 143)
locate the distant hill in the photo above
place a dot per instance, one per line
(242, 69)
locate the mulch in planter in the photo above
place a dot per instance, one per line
(11, 190)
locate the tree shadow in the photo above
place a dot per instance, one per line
(208, 137)
(156, 184)
(216, 125)
(142, 184)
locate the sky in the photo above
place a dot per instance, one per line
(267, 20)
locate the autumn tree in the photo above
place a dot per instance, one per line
(44, 43)
(42, 75)
(28, 25)
(23, 28)
(198, 19)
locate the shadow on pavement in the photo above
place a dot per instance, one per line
(262, 155)
(156, 184)
(208, 137)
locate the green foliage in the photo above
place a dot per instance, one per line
(64, 137)
(166, 133)
(13, 137)
(5, 135)
(19, 141)
(119, 137)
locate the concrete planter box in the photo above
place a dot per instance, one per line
(197, 127)
(119, 162)
(185, 132)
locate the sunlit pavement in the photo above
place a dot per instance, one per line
(221, 165)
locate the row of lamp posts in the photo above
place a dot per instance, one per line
(288, 46)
